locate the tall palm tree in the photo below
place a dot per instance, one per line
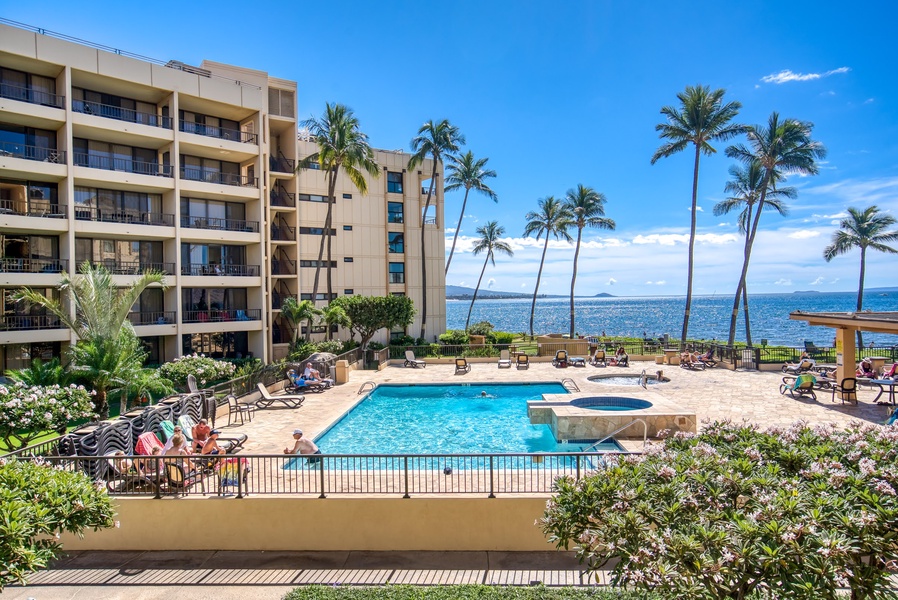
(550, 220)
(587, 209)
(701, 118)
(334, 314)
(490, 243)
(781, 148)
(341, 145)
(297, 312)
(437, 140)
(467, 172)
(745, 187)
(104, 355)
(862, 229)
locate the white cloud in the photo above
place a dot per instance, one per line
(523, 285)
(660, 282)
(803, 234)
(782, 281)
(858, 192)
(787, 75)
(869, 101)
(817, 281)
(839, 215)
(671, 239)
(491, 282)
(836, 280)
(611, 281)
(697, 209)
(828, 93)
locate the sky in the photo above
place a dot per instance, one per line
(567, 93)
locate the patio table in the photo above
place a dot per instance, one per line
(883, 384)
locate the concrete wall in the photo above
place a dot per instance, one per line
(310, 523)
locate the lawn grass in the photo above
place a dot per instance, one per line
(468, 592)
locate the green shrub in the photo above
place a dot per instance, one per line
(454, 337)
(302, 351)
(501, 337)
(403, 340)
(481, 328)
(205, 369)
(30, 411)
(332, 346)
(375, 346)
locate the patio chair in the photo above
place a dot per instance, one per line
(179, 481)
(803, 385)
(411, 361)
(890, 372)
(132, 479)
(708, 359)
(461, 366)
(523, 361)
(804, 366)
(504, 359)
(560, 359)
(194, 388)
(237, 410)
(598, 358)
(811, 349)
(847, 388)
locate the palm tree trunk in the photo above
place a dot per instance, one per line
(689, 264)
(750, 237)
(477, 289)
(860, 294)
(539, 275)
(745, 312)
(461, 216)
(574, 277)
(331, 185)
(433, 176)
(740, 287)
(101, 404)
(331, 190)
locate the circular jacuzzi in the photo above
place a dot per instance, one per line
(626, 379)
(611, 403)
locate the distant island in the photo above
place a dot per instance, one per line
(457, 292)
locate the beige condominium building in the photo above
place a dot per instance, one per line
(138, 164)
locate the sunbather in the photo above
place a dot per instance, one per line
(865, 369)
(313, 375)
(200, 433)
(211, 446)
(171, 441)
(178, 448)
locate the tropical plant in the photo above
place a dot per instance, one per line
(108, 366)
(701, 118)
(745, 187)
(203, 368)
(40, 372)
(862, 229)
(454, 337)
(341, 145)
(587, 209)
(145, 384)
(490, 243)
(297, 312)
(437, 140)
(38, 503)
(30, 411)
(334, 315)
(552, 219)
(369, 314)
(467, 172)
(784, 147)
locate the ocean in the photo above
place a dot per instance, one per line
(655, 316)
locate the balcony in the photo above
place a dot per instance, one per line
(166, 317)
(282, 198)
(282, 233)
(220, 133)
(134, 268)
(283, 266)
(129, 217)
(127, 165)
(281, 164)
(31, 96)
(193, 174)
(217, 315)
(27, 322)
(223, 224)
(121, 114)
(201, 269)
(277, 299)
(37, 153)
(32, 265)
(33, 208)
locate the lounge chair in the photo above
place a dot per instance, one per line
(804, 366)
(232, 472)
(811, 349)
(288, 400)
(195, 389)
(411, 361)
(523, 361)
(847, 388)
(231, 443)
(178, 480)
(708, 359)
(694, 365)
(146, 442)
(300, 385)
(461, 366)
(891, 372)
(598, 357)
(803, 385)
(560, 359)
(504, 359)
(168, 429)
(131, 479)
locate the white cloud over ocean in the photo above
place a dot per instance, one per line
(787, 75)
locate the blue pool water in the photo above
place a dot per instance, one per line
(446, 419)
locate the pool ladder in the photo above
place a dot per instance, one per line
(569, 385)
(368, 385)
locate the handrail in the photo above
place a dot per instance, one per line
(365, 387)
(570, 385)
(645, 434)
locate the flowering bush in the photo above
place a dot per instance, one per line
(792, 513)
(27, 412)
(206, 370)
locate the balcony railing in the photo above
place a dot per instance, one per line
(164, 317)
(281, 164)
(32, 265)
(283, 266)
(220, 133)
(121, 114)
(277, 299)
(17, 150)
(32, 208)
(135, 268)
(195, 269)
(32, 96)
(225, 224)
(281, 198)
(107, 163)
(114, 216)
(195, 174)
(214, 315)
(283, 233)
(26, 322)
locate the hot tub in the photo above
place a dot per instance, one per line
(611, 403)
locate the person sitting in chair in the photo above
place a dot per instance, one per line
(621, 359)
(303, 445)
(313, 375)
(200, 434)
(865, 369)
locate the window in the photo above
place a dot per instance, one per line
(280, 102)
(116, 157)
(209, 126)
(394, 182)
(115, 107)
(348, 292)
(320, 296)
(210, 170)
(26, 87)
(29, 198)
(398, 294)
(347, 228)
(347, 196)
(217, 345)
(397, 272)
(315, 231)
(312, 198)
(347, 259)
(28, 143)
(396, 243)
(395, 212)
(118, 206)
(316, 263)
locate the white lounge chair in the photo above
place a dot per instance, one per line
(504, 359)
(411, 361)
(290, 401)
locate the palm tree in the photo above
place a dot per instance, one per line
(862, 229)
(467, 172)
(745, 188)
(334, 314)
(587, 209)
(490, 243)
(104, 355)
(297, 312)
(437, 140)
(702, 118)
(551, 219)
(782, 148)
(341, 145)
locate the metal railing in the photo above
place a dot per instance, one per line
(197, 269)
(196, 174)
(281, 164)
(118, 113)
(165, 317)
(33, 265)
(280, 197)
(281, 232)
(33, 208)
(31, 95)
(228, 314)
(26, 322)
(283, 266)
(215, 223)
(127, 165)
(84, 213)
(16, 150)
(220, 133)
(135, 268)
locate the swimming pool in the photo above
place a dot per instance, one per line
(625, 379)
